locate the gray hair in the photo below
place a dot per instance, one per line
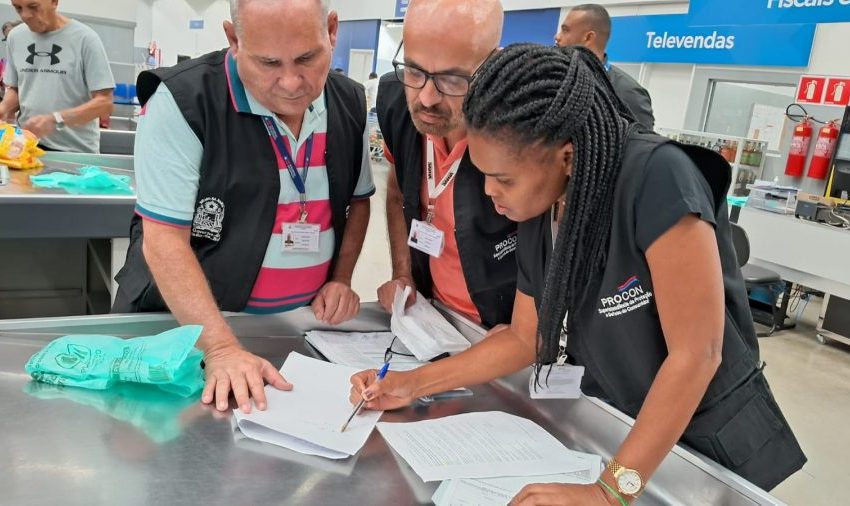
(236, 4)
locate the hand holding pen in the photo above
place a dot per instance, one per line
(359, 405)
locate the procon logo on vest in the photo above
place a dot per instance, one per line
(803, 4)
(629, 297)
(54, 59)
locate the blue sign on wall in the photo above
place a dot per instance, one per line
(768, 12)
(196, 24)
(401, 8)
(671, 39)
(536, 25)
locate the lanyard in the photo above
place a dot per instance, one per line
(299, 180)
(435, 189)
(562, 341)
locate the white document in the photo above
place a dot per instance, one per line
(500, 491)
(480, 445)
(559, 382)
(422, 329)
(344, 467)
(308, 419)
(362, 350)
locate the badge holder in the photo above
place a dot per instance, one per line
(562, 380)
(301, 237)
(425, 237)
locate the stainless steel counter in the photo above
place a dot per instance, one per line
(132, 447)
(27, 212)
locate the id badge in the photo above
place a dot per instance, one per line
(426, 238)
(563, 382)
(301, 238)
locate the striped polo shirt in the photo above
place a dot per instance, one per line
(168, 173)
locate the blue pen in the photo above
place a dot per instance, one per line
(381, 374)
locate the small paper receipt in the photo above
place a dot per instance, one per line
(559, 382)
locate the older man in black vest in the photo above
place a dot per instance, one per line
(253, 185)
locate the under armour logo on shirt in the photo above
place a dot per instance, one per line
(52, 55)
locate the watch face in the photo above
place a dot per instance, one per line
(629, 482)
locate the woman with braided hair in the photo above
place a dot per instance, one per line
(625, 267)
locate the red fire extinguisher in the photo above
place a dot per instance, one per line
(799, 148)
(824, 148)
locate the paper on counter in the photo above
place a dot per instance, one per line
(308, 418)
(343, 467)
(422, 329)
(362, 350)
(480, 445)
(500, 491)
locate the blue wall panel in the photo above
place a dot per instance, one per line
(356, 35)
(537, 25)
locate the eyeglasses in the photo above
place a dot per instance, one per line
(451, 85)
(388, 355)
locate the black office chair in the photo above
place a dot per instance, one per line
(756, 277)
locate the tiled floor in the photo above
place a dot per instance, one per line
(811, 381)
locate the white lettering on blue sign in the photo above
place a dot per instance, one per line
(713, 41)
(791, 4)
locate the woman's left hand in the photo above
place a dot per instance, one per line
(557, 494)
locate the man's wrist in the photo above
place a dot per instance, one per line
(216, 338)
(345, 280)
(402, 275)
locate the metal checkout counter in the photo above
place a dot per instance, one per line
(70, 446)
(59, 251)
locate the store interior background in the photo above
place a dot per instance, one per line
(811, 380)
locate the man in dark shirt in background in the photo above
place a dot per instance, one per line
(589, 25)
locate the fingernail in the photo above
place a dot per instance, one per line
(222, 406)
(246, 408)
(261, 406)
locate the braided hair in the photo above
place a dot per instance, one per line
(551, 96)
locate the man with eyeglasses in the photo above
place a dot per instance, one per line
(447, 239)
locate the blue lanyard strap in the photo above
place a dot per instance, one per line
(299, 180)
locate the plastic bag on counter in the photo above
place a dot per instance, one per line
(169, 361)
(90, 180)
(19, 148)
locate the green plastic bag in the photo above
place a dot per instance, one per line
(168, 360)
(91, 180)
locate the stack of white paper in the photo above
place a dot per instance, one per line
(308, 418)
(481, 445)
(500, 491)
(423, 329)
(362, 350)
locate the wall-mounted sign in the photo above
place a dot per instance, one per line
(401, 8)
(671, 39)
(837, 92)
(824, 90)
(196, 24)
(768, 12)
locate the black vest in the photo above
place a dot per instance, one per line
(486, 240)
(239, 170)
(617, 335)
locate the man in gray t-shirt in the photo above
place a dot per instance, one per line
(58, 77)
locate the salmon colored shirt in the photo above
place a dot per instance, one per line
(446, 272)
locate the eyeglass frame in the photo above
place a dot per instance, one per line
(430, 76)
(390, 353)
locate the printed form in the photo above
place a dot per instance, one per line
(362, 350)
(480, 445)
(500, 491)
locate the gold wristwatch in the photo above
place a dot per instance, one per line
(628, 480)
